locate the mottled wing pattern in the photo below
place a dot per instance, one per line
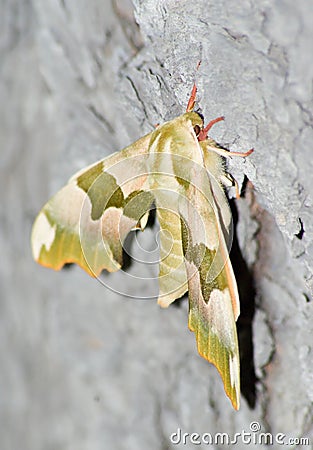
(87, 221)
(213, 296)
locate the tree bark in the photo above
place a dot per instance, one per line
(84, 367)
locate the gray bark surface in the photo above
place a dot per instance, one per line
(83, 367)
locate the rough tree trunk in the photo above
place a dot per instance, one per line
(83, 367)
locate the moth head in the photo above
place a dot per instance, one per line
(196, 119)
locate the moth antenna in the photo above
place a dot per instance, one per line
(204, 133)
(192, 98)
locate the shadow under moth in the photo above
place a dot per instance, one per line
(180, 170)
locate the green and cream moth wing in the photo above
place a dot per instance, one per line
(87, 221)
(180, 169)
(212, 290)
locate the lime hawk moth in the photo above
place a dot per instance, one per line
(180, 170)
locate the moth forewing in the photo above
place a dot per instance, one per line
(215, 167)
(87, 221)
(213, 322)
(213, 296)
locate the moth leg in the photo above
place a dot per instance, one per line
(228, 180)
(203, 135)
(241, 154)
(229, 154)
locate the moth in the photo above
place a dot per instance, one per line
(178, 169)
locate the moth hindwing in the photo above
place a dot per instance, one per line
(179, 169)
